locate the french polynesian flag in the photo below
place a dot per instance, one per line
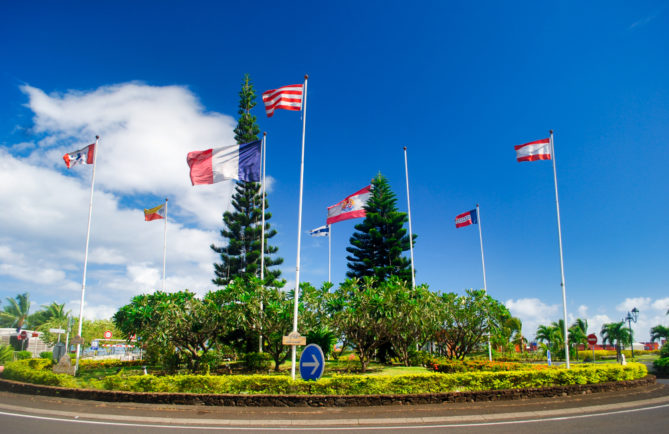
(350, 208)
(466, 219)
(533, 151)
(82, 156)
(240, 162)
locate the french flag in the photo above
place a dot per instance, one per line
(533, 151)
(466, 219)
(240, 162)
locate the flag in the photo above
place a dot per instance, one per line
(322, 231)
(466, 219)
(82, 156)
(537, 150)
(286, 97)
(240, 162)
(350, 208)
(154, 213)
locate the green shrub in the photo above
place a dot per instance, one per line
(46, 355)
(6, 353)
(662, 366)
(323, 337)
(258, 361)
(664, 351)
(447, 366)
(23, 355)
(37, 371)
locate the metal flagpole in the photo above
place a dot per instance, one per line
(330, 253)
(165, 245)
(485, 283)
(262, 237)
(562, 283)
(406, 171)
(299, 229)
(88, 237)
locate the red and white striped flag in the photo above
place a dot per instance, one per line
(286, 97)
(532, 151)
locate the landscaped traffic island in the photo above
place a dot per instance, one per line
(497, 379)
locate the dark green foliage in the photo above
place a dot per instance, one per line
(6, 353)
(46, 355)
(662, 366)
(243, 226)
(323, 337)
(23, 355)
(258, 361)
(379, 241)
(664, 351)
(15, 314)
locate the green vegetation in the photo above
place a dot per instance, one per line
(37, 371)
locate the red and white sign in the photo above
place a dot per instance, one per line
(592, 339)
(108, 334)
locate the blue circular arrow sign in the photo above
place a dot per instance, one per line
(312, 362)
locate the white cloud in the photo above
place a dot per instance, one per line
(641, 303)
(532, 312)
(661, 304)
(146, 133)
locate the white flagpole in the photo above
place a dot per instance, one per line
(299, 228)
(485, 283)
(88, 237)
(562, 283)
(330, 253)
(165, 245)
(262, 237)
(406, 171)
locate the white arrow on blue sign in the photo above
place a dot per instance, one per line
(312, 362)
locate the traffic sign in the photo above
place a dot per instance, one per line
(108, 334)
(56, 331)
(294, 338)
(22, 335)
(312, 362)
(95, 345)
(592, 339)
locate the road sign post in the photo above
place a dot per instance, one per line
(592, 340)
(312, 362)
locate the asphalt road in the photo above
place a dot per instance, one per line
(638, 410)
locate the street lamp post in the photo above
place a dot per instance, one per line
(632, 316)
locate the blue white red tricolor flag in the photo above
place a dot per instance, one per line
(322, 231)
(466, 219)
(350, 208)
(240, 162)
(82, 156)
(154, 213)
(286, 97)
(532, 151)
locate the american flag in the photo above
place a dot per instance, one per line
(286, 97)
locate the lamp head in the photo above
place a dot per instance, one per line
(635, 314)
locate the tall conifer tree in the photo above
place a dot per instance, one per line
(241, 256)
(377, 245)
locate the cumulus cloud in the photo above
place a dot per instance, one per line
(146, 133)
(532, 312)
(641, 303)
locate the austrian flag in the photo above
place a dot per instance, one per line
(286, 97)
(532, 151)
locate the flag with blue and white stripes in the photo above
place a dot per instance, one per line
(322, 231)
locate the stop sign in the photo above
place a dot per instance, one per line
(592, 339)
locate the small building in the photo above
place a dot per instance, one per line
(32, 342)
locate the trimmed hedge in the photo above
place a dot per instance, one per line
(38, 371)
(662, 366)
(450, 366)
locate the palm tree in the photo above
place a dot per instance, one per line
(545, 334)
(578, 332)
(16, 314)
(617, 333)
(658, 332)
(53, 313)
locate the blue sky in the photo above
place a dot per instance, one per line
(458, 84)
